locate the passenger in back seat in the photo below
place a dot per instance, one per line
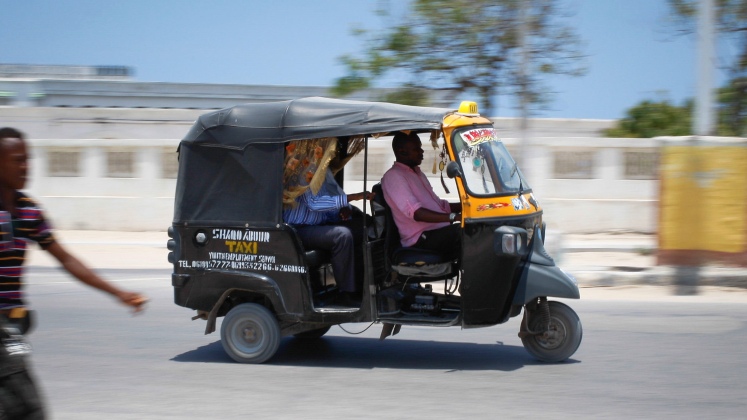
(324, 221)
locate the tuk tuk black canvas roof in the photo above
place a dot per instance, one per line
(231, 160)
(308, 118)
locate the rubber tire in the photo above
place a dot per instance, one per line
(250, 333)
(313, 334)
(565, 321)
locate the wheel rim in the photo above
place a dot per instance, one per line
(247, 337)
(555, 335)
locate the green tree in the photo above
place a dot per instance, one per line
(732, 111)
(467, 46)
(732, 26)
(651, 119)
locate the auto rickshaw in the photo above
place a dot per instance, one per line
(235, 257)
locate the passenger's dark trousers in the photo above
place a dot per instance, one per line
(446, 241)
(19, 398)
(339, 241)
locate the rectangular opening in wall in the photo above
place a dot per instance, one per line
(573, 164)
(63, 163)
(120, 164)
(640, 164)
(169, 163)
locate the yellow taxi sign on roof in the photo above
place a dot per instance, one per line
(468, 108)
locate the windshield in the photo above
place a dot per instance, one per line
(487, 166)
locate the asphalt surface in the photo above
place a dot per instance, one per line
(650, 350)
(645, 354)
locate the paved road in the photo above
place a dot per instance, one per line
(645, 354)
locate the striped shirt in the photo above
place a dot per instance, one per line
(16, 232)
(319, 209)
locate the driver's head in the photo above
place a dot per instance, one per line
(13, 159)
(407, 148)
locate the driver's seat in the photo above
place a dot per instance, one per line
(409, 261)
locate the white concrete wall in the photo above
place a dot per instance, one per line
(95, 201)
(604, 202)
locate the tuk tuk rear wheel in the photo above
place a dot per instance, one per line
(559, 340)
(250, 333)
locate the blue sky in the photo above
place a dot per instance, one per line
(631, 54)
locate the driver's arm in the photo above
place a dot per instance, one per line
(430, 216)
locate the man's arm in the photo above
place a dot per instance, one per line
(397, 188)
(430, 216)
(324, 203)
(80, 271)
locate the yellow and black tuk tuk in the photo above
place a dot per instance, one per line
(235, 257)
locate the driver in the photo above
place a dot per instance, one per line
(423, 219)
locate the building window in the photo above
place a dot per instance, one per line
(120, 164)
(578, 164)
(169, 163)
(641, 164)
(63, 162)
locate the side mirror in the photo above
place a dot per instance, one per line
(452, 170)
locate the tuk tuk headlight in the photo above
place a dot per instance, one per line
(510, 244)
(510, 240)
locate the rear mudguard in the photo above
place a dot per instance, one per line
(541, 277)
(253, 284)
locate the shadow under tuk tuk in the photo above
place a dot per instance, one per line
(370, 353)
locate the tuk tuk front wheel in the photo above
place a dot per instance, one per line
(557, 341)
(250, 333)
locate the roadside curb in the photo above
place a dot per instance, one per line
(662, 276)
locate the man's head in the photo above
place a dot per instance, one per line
(13, 159)
(407, 148)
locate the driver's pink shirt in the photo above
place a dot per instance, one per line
(406, 190)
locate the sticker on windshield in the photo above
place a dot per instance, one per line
(519, 204)
(490, 206)
(478, 135)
